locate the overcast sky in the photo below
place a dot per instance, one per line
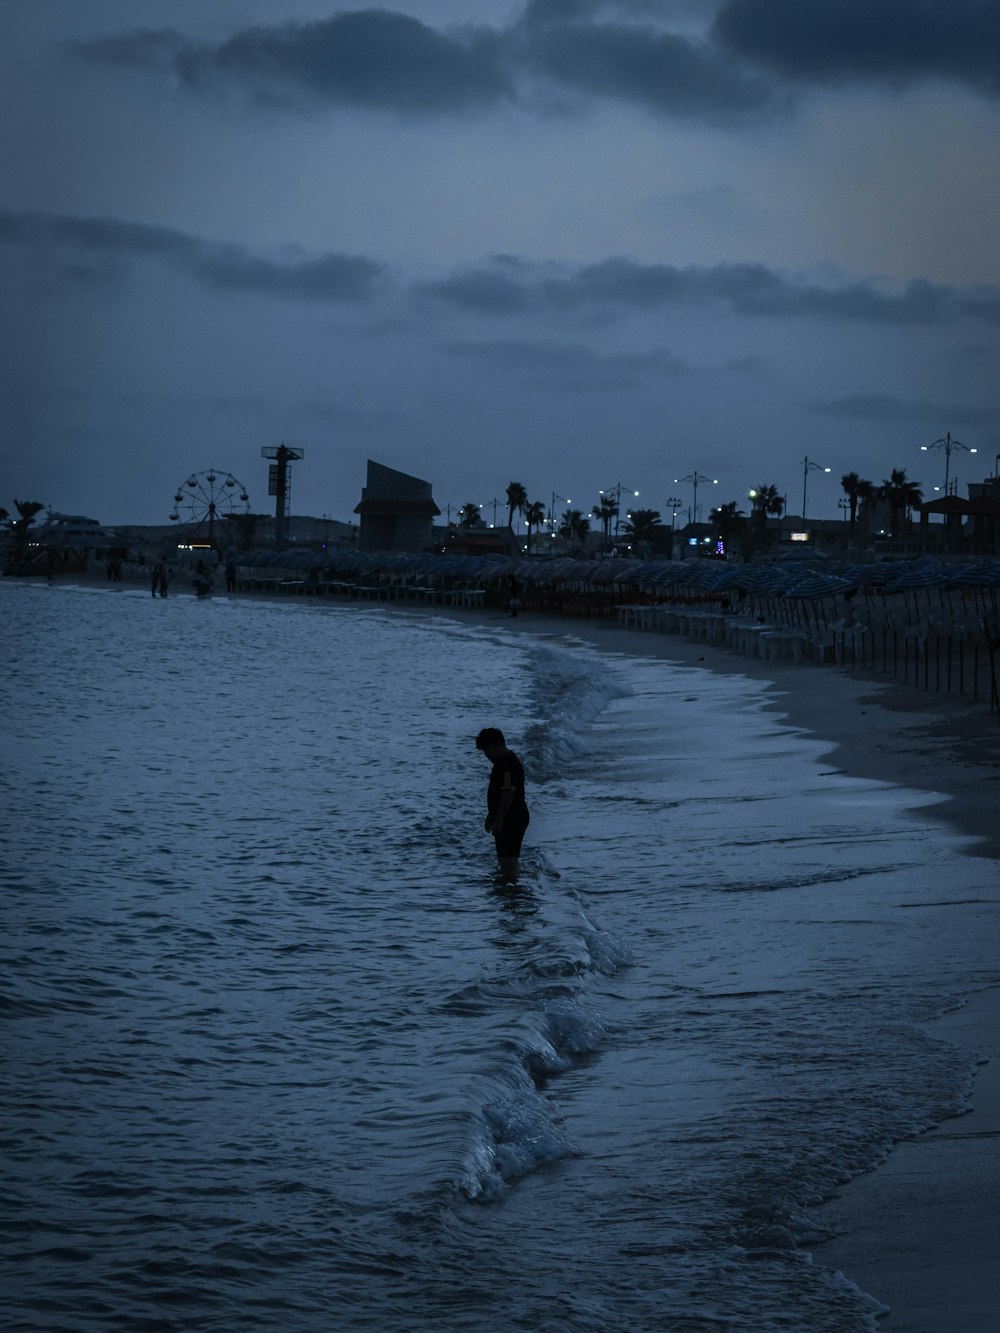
(569, 243)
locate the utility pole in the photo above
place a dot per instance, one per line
(277, 485)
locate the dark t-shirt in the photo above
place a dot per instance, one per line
(507, 773)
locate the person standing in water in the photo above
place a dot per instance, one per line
(507, 811)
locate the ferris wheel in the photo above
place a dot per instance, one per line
(208, 496)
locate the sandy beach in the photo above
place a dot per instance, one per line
(920, 1233)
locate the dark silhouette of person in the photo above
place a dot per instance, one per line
(514, 600)
(507, 815)
(230, 576)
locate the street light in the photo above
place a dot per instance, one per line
(808, 466)
(552, 511)
(695, 478)
(947, 444)
(673, 504)
(617, 488)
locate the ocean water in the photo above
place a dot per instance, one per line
(280, 1051)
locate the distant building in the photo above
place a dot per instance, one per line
(71, 530)
(397, 511)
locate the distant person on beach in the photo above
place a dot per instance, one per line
(159, 580)
(507, 811)
(514, 602)
(230, 576)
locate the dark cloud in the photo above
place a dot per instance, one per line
(92, 235)
(372, 58)
(635, 62)
(501, 288)
(884, 407)
(667, 56)
(622, 285)
(887, 40)
(96, 248)
(381, 59)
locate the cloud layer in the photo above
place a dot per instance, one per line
(741, 66)
(97, 249)
(507, 286)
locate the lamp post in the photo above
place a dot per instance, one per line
(695, 478)
(947, 444)
(807, 467)
(673, 504)
(617, 488)
(552, 511)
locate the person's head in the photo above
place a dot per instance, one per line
(490, 740)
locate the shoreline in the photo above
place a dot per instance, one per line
(919, 1232)
(877, 728)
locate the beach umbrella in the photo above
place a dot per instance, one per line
(816, 588)
(915, 577)
(818, 585)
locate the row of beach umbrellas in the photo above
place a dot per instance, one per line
(797, 579)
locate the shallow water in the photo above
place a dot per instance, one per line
(282, 1053)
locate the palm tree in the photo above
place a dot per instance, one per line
(768, 500)
(856, 489)
(468, 515)
(606, 509)
(517, 498)
(642, 524)
(27, 509)
(728, 520)
(534, 517)
(901, 494)
(765, 501)
(574, 527)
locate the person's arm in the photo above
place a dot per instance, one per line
(507, 793)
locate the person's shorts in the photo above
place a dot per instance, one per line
(510, 837)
